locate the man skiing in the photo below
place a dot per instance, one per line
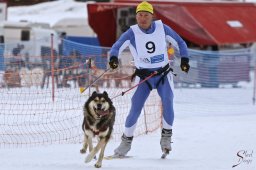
(148, 41)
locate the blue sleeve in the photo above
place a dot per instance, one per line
(181, 43)
(119, 44)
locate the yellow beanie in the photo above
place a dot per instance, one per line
(144, 6)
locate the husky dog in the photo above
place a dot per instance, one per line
(99, 118)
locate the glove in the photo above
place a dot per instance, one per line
(184, 64)
(113, 63)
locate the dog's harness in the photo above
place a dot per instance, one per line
(144, 73)
(102, 129)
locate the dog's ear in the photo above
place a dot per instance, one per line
(105, 93)
(94, 93)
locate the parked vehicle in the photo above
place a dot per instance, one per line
(27, 41)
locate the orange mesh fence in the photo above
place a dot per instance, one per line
(29, 116)
(34, 111)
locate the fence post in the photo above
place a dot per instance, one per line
(52, 66)
(90, 74)
(145, 120)
(254, 84)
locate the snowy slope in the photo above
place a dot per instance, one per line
(48, 12)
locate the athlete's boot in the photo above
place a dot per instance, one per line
(165, 141)
(124, 147)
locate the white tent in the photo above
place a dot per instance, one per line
(74, 27)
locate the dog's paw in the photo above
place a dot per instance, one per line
(88, 158)
(97, 165)
(82, 151)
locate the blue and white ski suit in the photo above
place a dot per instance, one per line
(149, 50)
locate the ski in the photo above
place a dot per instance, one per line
(111, 157)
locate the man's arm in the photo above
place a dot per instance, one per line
(121, 43)
(118, 47)
(176, 40)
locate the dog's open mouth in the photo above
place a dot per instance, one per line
(101, 112)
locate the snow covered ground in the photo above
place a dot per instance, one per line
(208, 134)
(199, 143)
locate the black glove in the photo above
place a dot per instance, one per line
(113, 63)
(184, 64)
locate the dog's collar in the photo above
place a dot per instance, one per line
(95, 132)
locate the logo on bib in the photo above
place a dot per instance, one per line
(157, 58)
(145, 60)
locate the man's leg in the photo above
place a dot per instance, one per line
(138, 100)
(166, 94)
